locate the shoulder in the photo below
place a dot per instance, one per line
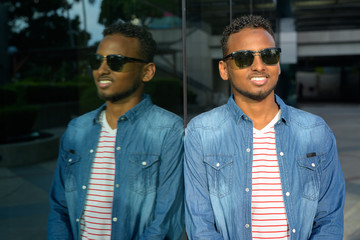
(156, 116)
(85, 120)
(214, 118)
(305, 119)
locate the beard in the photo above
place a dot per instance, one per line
(120, 95)
(259, 96)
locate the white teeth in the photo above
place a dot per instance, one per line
(105, 81)
(258, 78)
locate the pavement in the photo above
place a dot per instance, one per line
(24, 190)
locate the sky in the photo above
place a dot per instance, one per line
(92, 16)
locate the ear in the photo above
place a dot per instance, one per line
(223, 70)
(148, 72)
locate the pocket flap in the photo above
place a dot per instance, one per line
(308, 162)
(71, 158)
(218, 161)
(144, 160)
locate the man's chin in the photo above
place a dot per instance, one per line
(113, 98)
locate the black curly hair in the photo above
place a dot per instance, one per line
(248, 21)
(147, 43)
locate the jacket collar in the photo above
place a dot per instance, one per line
(238, 114)
(133, 113)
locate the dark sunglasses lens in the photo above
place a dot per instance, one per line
(115, 62)
(243, 59)
(94, 61)
(270, 56)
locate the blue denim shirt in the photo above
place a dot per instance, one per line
(218, 180)
(148, 199)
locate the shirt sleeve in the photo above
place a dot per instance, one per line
(329, 218)
(58, 220)
(169, 209)
(199, 217)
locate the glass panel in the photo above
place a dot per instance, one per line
(206, 20)
(45, 82)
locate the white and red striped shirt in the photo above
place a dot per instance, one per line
(96, 219)
(268, 214)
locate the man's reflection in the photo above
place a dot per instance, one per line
(120, 168)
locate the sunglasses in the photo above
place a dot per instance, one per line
(114, 61)
(245, 58)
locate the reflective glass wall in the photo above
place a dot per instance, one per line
(45, 80)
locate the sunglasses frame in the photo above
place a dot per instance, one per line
(123, 58)
(254, 53)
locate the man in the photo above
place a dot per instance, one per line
(256, 168)
(120, 170)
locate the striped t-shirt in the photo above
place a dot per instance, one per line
(268, 214)
(96, 219)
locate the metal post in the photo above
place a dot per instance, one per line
(183, 6)
(230, 10)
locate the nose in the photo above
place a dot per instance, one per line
(258, 64)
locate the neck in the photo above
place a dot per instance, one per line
(260, 112)
(116, 109)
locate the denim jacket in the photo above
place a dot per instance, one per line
(218, 175)
(148, 198)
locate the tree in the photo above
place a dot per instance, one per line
(43, 24)
(40, 30)
(126, 10)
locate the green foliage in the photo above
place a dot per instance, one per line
(166, 93)
(41, 92)
(16, 120)
(43, 24)
(112, 10)
(45, 37)
(89, 100)
(7, 96)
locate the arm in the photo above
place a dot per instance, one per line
(329, 219)
(58, 220)
(199, 217)
(169, 209)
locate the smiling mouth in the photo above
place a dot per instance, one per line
(104, 83)
(258, 80)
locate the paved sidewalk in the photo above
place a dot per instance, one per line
(24, 190)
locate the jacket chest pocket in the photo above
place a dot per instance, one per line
(72, 162)
(144, 173)
(309, 175)
(219, 170)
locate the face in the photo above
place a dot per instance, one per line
(115, 86)
(258, 81)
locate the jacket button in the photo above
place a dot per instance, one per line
(248, 150)
(281, 154)
(144, 163)
(294, 231)
(115, 219)
(91, 150)
(83, 187)
(287, 194)
(247, 225)
(118, 148)
(70, 160)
